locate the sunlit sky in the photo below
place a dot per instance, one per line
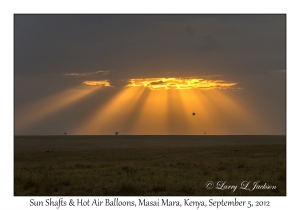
(148, 74)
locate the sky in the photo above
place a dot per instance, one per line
(148, 74)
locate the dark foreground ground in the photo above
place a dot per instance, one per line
(149, 165)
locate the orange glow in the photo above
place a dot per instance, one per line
(113, 115)
(231, 116)
(151, 116)
(180, 83)
(37, 111)
(139, 111)
(98, 83)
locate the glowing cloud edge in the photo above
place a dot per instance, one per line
(87, 73)
(98, 83)
(181, 83)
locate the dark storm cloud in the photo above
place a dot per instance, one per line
(208, 43)
(189, 31)
(147, 44)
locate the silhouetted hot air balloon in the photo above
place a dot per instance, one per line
(193, 113)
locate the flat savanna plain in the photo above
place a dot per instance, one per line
(148, 165)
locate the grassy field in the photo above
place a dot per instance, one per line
(142, 166)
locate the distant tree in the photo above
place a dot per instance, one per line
(204, 132)
(117, 133)
(65, 133)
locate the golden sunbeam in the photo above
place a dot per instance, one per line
(142, 111)
(136, 111)
(109, 118)
(194, 101)
(152, 117)
(177, 117)
(39, 110)
(232, 117)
